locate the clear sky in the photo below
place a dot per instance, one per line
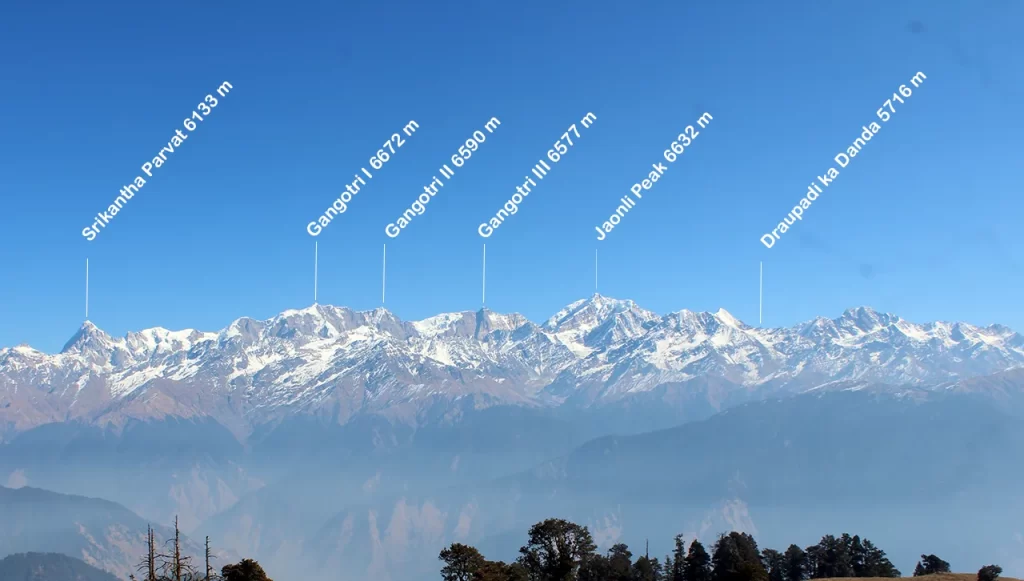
(925, 223)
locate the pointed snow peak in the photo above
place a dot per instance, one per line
(89, 337)
(684, 320)
(380, 314)
(818, 327)
(96, 347)
(379, 318)
(867, 319)
(602, 302)
(726, 318)
(591, 312)
(600, 322)
(860, 312)
(245, 328)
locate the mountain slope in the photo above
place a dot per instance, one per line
(49, 567)
(101, 533)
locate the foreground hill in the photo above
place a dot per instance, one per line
(101, 533)
(49, 567)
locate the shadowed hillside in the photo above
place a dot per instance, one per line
(49, 567)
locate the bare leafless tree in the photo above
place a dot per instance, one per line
(210, 575)
(172, 565)
(175, 566)
(148, 563)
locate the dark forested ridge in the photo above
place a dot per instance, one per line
(49, 567)
(559, 550)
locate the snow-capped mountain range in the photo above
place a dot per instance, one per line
(338, 363)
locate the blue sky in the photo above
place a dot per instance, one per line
(923, 223)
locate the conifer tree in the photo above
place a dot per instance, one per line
(736, 558)
(876, 564)
(775, 563)
(620, 563)
(697, 564)
(858, 557)
(813, 560)
(929, 565)
(796, 564)
(833, 557)
(676, 571)
(646, 569)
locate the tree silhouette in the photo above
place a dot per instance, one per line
(209, 570)
(244, 570)
(620, 563)
(555, 550)
(875, 563)
(500, 571)
(989, 573)
(461, 562)
(775, 563)
(831, 557)
(697, 564)
(559, 550)
(736, 558)
(795, 563)
(173, 565)
(674, 569)
(929, 565)
(148, 563)
(646, 569)
(595, 568)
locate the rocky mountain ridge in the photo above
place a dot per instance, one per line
(337, 363)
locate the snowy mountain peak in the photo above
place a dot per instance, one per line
(599, 323)
(726, 318)
(90, 338)
(439, 324)
(586, 314)
(490, 321)
(867, 319)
